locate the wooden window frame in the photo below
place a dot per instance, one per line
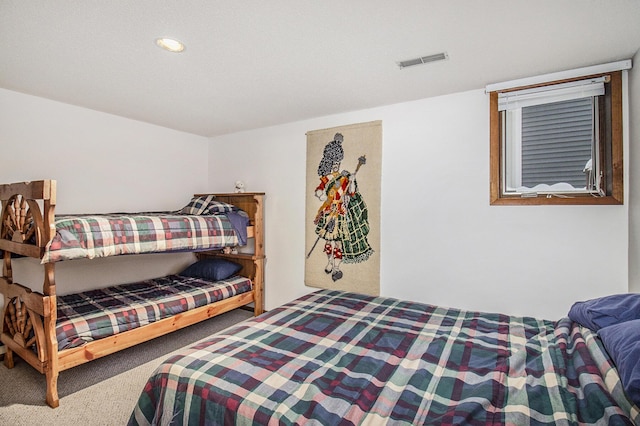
(615, 195)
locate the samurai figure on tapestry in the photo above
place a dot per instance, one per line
(342, 221)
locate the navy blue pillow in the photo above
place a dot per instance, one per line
(622, 341)
(214, 269)
(605, 311)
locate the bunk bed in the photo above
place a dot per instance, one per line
(53, 333)
(334, 357)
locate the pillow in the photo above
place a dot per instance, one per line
(215, 207)
(214, 269)
(605, 311)
(622, 341)
(198, 205)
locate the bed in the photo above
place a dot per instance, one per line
(334, 357)
(56, 332)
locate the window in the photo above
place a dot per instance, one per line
(558, 142)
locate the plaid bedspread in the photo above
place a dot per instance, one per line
(95, 314)
(336, 358)
(94, 236)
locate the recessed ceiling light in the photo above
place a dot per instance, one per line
(170, 44)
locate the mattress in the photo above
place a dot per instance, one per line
(333, 357)
(93, 236)
(91, 315)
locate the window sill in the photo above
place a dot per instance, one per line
(555, 200)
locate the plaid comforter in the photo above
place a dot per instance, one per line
(95, 314)
(94, 236)
(341, 358)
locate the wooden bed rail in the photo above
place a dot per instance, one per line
(35, 190)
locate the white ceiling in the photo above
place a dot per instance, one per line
(251, 63)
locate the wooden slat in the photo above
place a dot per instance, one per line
(247, 201)
(33, 300)
(577, 200)
(253, 204)
(26, 354)
(35, 190)
(23, 249)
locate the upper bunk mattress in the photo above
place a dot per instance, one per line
(95, 314)
(104, 235)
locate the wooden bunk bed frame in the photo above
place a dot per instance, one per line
(29, 317)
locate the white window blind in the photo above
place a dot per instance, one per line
(548, 94)
(557, 142)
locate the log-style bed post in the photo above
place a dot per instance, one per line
(51, 366)
(26, 230)
(50, 304)
(259, 254)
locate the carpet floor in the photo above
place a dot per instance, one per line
(101, 392)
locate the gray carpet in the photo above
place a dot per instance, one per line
(101, 392)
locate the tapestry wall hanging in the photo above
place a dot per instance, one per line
(343, 208)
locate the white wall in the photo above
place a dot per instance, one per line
(457, 251)
(441, 241)
(103, 163)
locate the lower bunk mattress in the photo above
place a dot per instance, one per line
(96, 314)
(343, 358)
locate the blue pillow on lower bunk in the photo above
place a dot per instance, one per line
(214, 269)
(606, 311)
(622, 342)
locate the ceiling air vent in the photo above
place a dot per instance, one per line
(423, 60)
